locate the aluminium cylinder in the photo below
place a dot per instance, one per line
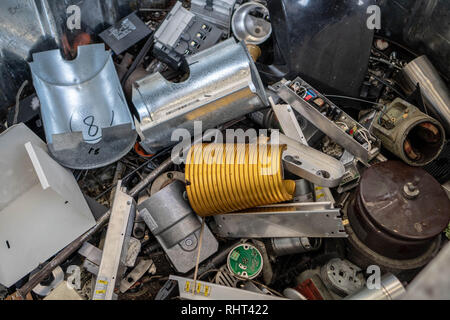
(287, 246)
(390, 289)
(223, 85)
(411, 135)
(224, 178)
(434, 91)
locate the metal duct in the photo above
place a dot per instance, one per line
(85, 115)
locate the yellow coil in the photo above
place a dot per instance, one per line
(223, 178)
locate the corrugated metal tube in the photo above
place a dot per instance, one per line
(224, 178)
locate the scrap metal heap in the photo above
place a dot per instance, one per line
(194, 150)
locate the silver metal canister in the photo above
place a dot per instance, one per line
(223, 85)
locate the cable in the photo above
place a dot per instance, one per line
(258, 283)
(145, 49)
(387, 85)
(380, 52)
(365, 134)
(385, 62)
(355, 99)
(16, 109)
(415, 55)
(200, 241)
(344, 124)
(133, 172)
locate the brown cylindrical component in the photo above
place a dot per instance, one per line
(255, 51)
(398, 210)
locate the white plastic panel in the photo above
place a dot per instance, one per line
(42, 209)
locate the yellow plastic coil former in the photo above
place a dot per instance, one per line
(224, 178)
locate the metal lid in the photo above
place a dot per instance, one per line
(404, 201)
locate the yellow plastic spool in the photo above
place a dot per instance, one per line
(224, 178)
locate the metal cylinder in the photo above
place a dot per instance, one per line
(255, 51)
(171, 223)
(287, 246)
(293, 294)
(408, 133)
(251, 23)
(390, 289)
(434, 91)
(303, 191)
(223, 178)
(176, 227)
(223, 85)
(398, 211)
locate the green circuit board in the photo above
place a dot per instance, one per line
(245, 261)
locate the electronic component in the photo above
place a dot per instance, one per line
(200, 290)
(125, 33)
(329, 118)
(183, 33)
(245, 261)
(287, 246)
(113, 264)
(396, 217)
(218, 12)
(342, 277)
(413, 136)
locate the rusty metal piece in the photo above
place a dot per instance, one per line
(17, 297)
(165, 179)
(411, 135)
(398, 210)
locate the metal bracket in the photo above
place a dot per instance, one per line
(313, 219)
(211, 291)
(137, 273)
(288, 121)
(311, 164)
(114, 255)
